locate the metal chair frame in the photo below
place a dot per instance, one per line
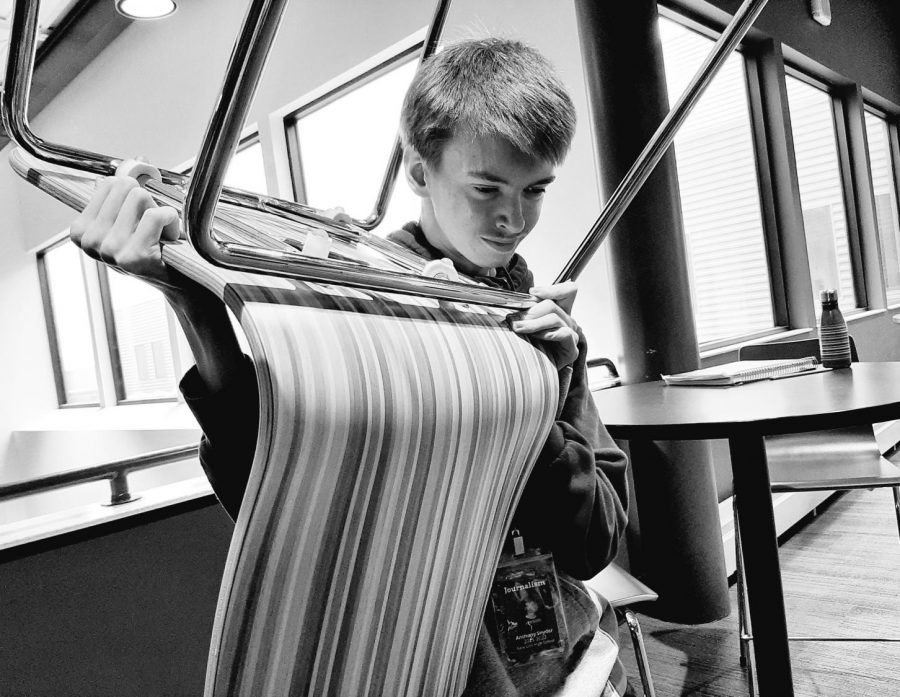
(841, 460)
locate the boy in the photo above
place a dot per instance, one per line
(484, 126)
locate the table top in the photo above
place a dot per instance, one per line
(864, 393)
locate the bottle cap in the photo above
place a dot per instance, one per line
(828, 296)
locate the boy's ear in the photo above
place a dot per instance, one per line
(414, 168)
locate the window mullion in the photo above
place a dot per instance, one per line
(756, 98)
(51, 331)
(859, 199)
(894, 145)
(102, 348)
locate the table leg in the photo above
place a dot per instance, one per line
(760, 545)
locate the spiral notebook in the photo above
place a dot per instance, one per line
(739, 372)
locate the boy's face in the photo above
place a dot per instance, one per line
(480, 201)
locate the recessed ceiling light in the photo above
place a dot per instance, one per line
(145, 9)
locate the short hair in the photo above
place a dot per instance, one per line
(488, 87)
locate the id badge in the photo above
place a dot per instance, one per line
(528, 614)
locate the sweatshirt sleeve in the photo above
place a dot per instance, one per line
(575, 501)
(229, 419)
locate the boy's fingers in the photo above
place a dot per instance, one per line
(560, 339)
(155, 224)
(561, 293)
(171, 224)
(135, 206)
(545, 308)
(83, 221)
(540, 323)
(102, 188)
(115, 198)
(131, 210)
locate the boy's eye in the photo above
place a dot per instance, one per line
(535, 192)
(486, 189)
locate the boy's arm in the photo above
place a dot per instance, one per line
(229, 419)
(575, 502)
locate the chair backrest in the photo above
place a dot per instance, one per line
(800, 348)
(603, 374)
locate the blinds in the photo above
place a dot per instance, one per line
(730, 286)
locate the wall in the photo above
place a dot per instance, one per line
(150, 93)
(121, 609)
(835, 46)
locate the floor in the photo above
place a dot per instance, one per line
(841, 574)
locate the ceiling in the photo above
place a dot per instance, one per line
(74, 33)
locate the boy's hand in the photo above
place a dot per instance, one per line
(122, 227)
(550, 322)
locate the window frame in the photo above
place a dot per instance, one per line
(355, 78)
(112, 344)
(53, 335)
(836, 92)
(757, 87)
(893, 132)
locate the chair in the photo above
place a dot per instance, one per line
(838, 459)
(619, 588)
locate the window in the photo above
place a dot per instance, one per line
(886, 212)
(68, 325)
(246, 170)
(717, 177)
(821, 192)
(340, 143)
(142, 350)
(140, 344)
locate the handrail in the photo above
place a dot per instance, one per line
(659, 143)
(116, 472)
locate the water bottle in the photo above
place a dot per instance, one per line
(834, 342)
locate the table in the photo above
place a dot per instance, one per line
(744, 414)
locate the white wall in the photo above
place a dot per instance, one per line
(151, 91)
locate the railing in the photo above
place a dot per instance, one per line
(115, 472)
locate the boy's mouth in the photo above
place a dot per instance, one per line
(504, 244)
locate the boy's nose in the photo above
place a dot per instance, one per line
(511, 217)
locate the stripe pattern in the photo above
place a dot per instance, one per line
(396, 436)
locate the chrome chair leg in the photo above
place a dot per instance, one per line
(637, 639)
(744, 632)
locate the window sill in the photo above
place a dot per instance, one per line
(730, 349)
(863, 314)
(149, 416)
